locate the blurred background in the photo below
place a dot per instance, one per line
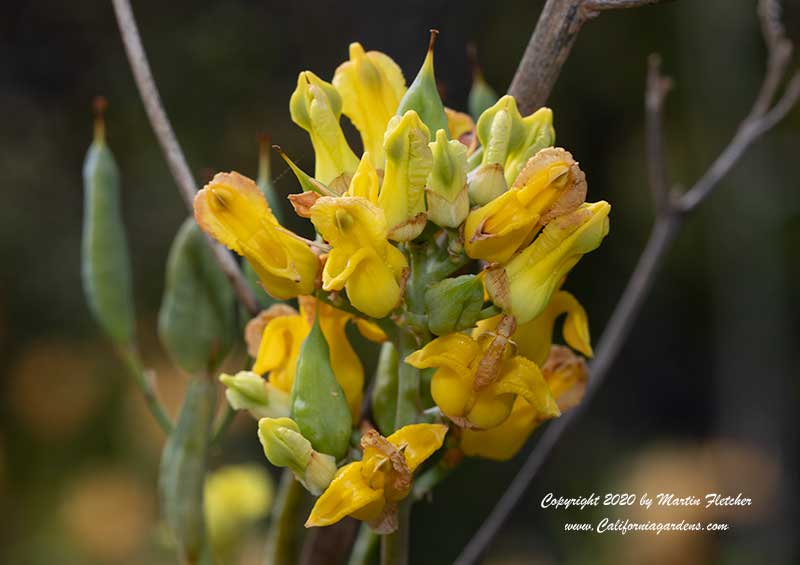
(702, 399)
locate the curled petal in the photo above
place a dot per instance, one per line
(373, 287)
(523, 378)
(504, 441)
(418, 442)
(347, 494)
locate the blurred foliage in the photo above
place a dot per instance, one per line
(713, 353)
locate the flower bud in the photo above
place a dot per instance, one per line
(448, 201)
(551, 184)
(371, 86)
(365, 182)
(408, 162)
(454, 304)
(285, 446)
(524, 286)
(539, 133)
(423, 97)
(316, 107)
(247, 391)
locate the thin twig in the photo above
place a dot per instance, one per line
(666, 227)
(145, 380)
(657, 88)
(551, 43)
(169, 143)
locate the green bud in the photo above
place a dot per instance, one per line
(481, 95)
(248, 391)
(486, 183)
(307, 182)
(384, 393)
(318, 403)
(448, 201)
(454, 304)
(196, 322)
(183, 468)
(285, 446)
(105, 266)
(423, 95)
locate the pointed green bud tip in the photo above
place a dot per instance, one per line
(448, 201)
(307, 182)
(285, 446)
(454, 304)
(423, 95)
(248, 391)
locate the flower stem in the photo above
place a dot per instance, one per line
(144, 379)
(282, 546)
(394, 547)
(365, 545)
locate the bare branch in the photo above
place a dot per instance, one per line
(551, 43)
(656, 92)
(169, 143)
(668, 222)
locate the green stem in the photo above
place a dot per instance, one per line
(223, 423)
(366, 543)
(394, 547)
(144, 380)
(282, 543)
(408, 379)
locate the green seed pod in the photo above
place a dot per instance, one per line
(423, 96)
(105, 267)
(384, 393)
(183, 468)
(481, 95)
(196, 322)
(454, 304)
(318, 403)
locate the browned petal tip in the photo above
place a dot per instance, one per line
(99, 105)
(263, 140)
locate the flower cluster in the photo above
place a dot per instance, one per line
(448, 240)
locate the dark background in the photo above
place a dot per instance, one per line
(702, 399)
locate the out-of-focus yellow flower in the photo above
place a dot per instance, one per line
(285, 446)
(477, 381)
(551, 184)
(371, 86)
(362, 261)
(283, 335)
(369, 489)
(233, 210)
(316, 107)
(408, 162)
(235, 497)
(534, 338)
(566, 376)
(461, 127)
(366, 182)
(448, 201)
(524, 286)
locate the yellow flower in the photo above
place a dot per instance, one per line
(316, 107)
(233, 210)
(369, 489)
(534, 338)
(365, 182)
(551, 184)
(524, 286)
(566, 376)
(477, 381)
(448, 201)
(371, 86)
(408, 162)
(283, 335)
(362, 261)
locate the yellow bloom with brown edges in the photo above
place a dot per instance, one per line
(476, 382)
(233, 210)
(523, 287)
(370, 489)
(371, 85)
(362, 260)
(566, 375)
(551, 184)
(283, 335)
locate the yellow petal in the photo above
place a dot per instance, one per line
(371, 330)
(455, 351)
(365, 182)
(371, 85)
(523, 378)
(408, 162)
(280, 348)
(504, 441)
(347, 494)
(576, 324)
(452, 392)
(351, 223)
(419, 442)
(373, 286)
